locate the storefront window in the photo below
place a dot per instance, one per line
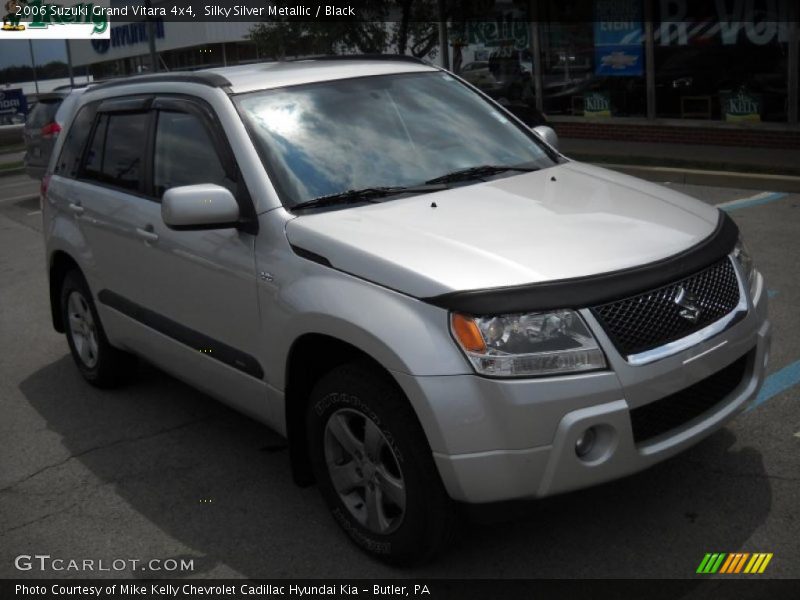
(492, 51)
(728, 66)
(594, 68)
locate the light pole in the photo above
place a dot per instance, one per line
(33, 65)
(69, 64)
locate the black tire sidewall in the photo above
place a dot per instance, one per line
(418, 536)
(74, 282)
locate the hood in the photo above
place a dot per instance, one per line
(567, 221)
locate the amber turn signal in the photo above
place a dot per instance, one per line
(467, 333)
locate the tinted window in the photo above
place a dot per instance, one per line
(70, 157)
(117, 149)
(43, 113)
(125, 146)
(94, 156)
(185, 155)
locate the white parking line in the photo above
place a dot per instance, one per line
(23, 197)
(36, 212)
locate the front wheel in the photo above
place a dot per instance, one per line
(374, 466)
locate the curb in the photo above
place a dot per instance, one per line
(748, 181)
(10, 172)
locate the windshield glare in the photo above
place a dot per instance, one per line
(392, 130)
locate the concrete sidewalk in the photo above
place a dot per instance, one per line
(750, 168)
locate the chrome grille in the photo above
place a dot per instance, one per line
(652, 319)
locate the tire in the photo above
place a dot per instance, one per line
(99, 362)
(354, 409)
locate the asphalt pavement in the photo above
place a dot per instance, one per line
(159, 470)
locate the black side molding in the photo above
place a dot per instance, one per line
(194, 339)
(582, 292)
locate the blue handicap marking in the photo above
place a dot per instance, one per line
(777, 383)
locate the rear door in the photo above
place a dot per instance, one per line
(108, 197)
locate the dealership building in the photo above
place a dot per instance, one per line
(693, 71)
(180, 45)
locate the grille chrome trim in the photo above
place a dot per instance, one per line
(715, 328)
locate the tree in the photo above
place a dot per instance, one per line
(417, 29)
(365, 34)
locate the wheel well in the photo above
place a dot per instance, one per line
(310, 357)
(61, 263)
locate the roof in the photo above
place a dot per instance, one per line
(268, 75)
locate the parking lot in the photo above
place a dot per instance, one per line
(158, 470)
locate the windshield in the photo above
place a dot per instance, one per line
(393, 130)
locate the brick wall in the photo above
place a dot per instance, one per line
(753, 138)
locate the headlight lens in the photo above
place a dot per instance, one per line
(528, 344)
(745, 260)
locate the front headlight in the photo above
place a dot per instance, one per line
(745, 260)
(530, 344)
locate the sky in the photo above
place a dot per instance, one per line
(16, 52)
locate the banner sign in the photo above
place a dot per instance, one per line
(12, 102)
(618, 44)
(499, 33)
(596, 104)
(741, 106)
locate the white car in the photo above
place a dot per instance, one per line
(430, 302)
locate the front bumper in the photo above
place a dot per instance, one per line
(495, 439)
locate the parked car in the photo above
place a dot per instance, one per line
(477, 73)
(430, 302)
(43, 125)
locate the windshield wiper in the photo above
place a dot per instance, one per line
(370, 194)
(477, 173)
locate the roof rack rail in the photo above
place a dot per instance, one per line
(387, 57)
(210, 79)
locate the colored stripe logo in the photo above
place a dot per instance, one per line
(734, 563)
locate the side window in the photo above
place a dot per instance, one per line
(126, 139)
(185, 155)
(93, 167)
(116, 152)
(70, 158)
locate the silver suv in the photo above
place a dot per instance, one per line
(381, 263)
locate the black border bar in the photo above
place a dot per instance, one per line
(745, 587)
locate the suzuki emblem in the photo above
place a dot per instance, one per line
(690, 308)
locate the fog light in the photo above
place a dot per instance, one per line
(585, 443)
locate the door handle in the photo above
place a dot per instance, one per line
(76, 208)
(147, 233)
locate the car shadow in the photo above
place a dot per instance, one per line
(219, 485)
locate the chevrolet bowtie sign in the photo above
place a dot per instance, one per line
(618, 42)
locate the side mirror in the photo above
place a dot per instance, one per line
(547, 134)
(202, 206)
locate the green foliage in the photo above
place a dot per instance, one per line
(18, 73)
(402, 26)
(287, 38)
